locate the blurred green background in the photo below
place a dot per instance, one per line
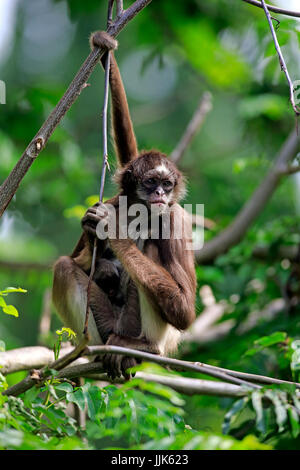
(170, 54)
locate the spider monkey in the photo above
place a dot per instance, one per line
(143, 292)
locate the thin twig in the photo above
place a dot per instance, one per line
(186, 385)
(39, 376)
(281, 58)
(206, 369)
(278, 10)
(103, 173)
(197, 120)
(168, 361)
(119, 7)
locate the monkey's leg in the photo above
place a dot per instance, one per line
(70, 296)
(128, 333)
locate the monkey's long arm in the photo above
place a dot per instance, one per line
(175, 300)
(122, 128)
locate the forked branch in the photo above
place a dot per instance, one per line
(281, 58)
(193, 127)
(281, 11)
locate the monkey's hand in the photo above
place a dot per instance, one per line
(93, 216)
(103, 40)
(115, 364)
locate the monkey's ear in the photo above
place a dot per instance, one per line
(125, 179)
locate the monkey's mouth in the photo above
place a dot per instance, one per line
(155, 201)
(158, 202)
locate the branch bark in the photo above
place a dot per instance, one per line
(274, 9)
(196, 122)
(28, 358)
(281, 58)
(184, 385)
(235, 232)
(12, 182)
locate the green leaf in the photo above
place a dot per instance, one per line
(266, 341)
(70, 333)
(10, 310)
(77, 397)
(258, 408)
(94, 401)
(279, 407)
(9, 290)
(234, 410)
(294, 421)
(64, 387)
(274, 338)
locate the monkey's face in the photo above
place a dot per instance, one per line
(152, 179)
(156, 189)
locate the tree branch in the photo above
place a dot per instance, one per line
(39, 376)
(274, 9)
(184, 385)
(281, 58)
(28, 358)
(12, 182)
(196, 122)
(235, 232)
(119, 7)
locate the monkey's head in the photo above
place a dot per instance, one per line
(152, 179)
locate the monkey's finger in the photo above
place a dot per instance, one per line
(111, 366)
(89, 228)
(89, 216)
(128, 363)
(116, 364)
(106, 365)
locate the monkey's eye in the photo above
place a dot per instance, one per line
(167, 184)
(150, 181)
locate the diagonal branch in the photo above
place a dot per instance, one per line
(196, 122)
(281, 11)
(235, 232)
(33, 357)
(12, 182)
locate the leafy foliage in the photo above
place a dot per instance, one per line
(137, 415)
